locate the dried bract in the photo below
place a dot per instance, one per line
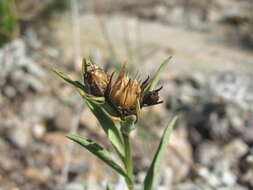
(96, 80)
(127, 94)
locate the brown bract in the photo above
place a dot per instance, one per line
(96, 80)
(124, 92)
(127, 95)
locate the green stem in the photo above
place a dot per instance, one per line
(126, 127)
(128, 160)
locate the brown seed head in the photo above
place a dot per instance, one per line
(125, 92)
(100, 78)
(151, 98)
(96, 80)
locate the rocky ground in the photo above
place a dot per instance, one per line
(208, 83)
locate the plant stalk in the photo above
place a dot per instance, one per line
(128, 160)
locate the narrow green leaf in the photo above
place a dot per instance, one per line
(84, 66)
(80, 88)
(109, 127)
(158, 73)
(93, 103)
(138, 111)
(94, 99)
(148, 182)
(92, 60)
(77, 84)
(99, 151)
(108, 187)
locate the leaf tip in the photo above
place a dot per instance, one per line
(175, 118)
(55, 71)
(59, 73)
(167, 60)
(70, 136)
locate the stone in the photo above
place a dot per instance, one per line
(57, 161)
(39, 108)
(198, 80)
(33, 83)
(187, 186)
(187, 94)
(36, 175)
(248, 176)
(207, 153)
(247, 168)
(56, 138)
(235, 150)
(87, 119)
(164, 179)
(19, 68)
(38, 130)
(63, 118)
(221, 174)
(93, 185)
(247, 134)
(9, 91)
(237, 187)
(121, 184)
(9, 164)
(209, 177)
(73, 186)
(179, 154)
(249, 158)
(20, 135)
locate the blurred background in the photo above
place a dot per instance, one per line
(208, 82)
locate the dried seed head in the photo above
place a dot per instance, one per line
(127, 95)
(96, 80)
(151, 98)
(125, 92)
(122, 98)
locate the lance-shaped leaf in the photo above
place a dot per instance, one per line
(61, 74)
(94, 99)
(148, 182)
(107, 124)
(109, 127)
(99, 151)
(108, 187)
(84, 67)
(80, 88)
(158, 73)
(85, 64)
(92, 60)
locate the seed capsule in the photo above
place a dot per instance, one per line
(151, 98)
(96, 80)
(125, 92)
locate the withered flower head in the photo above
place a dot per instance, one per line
(96, 80)
(120, 98)
(127, 94)
(124, 92)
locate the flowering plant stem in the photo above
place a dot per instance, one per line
(128, 160)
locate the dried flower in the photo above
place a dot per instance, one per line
(119, 98)
(96, 80)
(151, 98)
(126, 95)
(125, 91)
